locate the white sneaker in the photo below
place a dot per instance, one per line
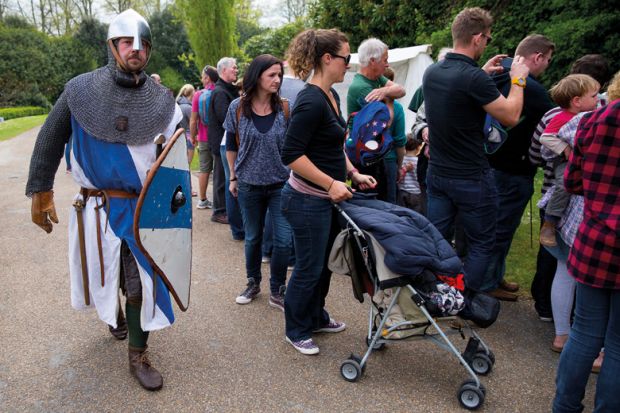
(307, 346)
(204, 204)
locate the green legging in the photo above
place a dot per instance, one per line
(137, 337)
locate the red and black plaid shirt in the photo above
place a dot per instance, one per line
(594, 172)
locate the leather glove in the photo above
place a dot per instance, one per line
(43, 210)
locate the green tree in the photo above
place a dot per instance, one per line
(210, 28)
(92, 34)
(170, 43)
(273, 41)
(577, 27)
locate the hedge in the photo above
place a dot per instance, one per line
(20, 112)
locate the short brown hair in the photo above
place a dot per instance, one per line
(594, 65)
(468, 22)
(571, 86)
(613, 91)
(534, 43)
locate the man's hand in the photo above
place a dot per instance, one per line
(234, 188)
(519, 68)
(494, 65)
(376, 95)
(567, 151)
(43, 210)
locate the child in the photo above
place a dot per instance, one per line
(574, 94)
(409, 193)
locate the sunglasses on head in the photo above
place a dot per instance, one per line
(346, 59)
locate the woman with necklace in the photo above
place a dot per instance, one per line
(255, 128)
(313, 149)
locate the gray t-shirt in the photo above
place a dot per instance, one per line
(258, 157)
(291, 86)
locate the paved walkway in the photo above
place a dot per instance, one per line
(221, 356)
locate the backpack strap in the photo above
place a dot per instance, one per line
(286, 108)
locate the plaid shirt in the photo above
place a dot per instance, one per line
(594, 172)
(573, 215)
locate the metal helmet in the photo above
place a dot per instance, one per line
(130, 24)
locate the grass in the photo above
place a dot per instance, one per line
(13, 127)
(521, 260)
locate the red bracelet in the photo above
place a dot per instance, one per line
(351, 172)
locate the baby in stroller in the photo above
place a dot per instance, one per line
(415, 280)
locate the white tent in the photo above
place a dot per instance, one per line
(408, 63)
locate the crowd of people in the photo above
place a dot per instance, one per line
(273, 144)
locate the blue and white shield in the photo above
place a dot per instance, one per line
(163, 220)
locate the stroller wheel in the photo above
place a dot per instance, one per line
(377, 346)
(350, 370)
(470, 396)
(481, 364)
(490, 354)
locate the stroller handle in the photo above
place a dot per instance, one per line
(348, 218)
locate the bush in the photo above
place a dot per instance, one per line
(20, 112)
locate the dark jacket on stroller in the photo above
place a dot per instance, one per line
(411, 242)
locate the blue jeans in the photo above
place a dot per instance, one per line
(513, 193)
(596, 325)
(254, 201)
(232, 205)
(314, 230)
(391, 173)
(476, 202)
(268, 241)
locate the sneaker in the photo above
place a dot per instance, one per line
(204, 204)
(332, 327)
(545, 318)
(251, 291)
(307, 346)
(265, 260)
(277, 300)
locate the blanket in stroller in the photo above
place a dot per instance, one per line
(411, 242)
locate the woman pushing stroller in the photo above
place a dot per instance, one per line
(313, 150)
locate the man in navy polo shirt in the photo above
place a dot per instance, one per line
(458, 94)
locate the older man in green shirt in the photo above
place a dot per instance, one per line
(369, 85)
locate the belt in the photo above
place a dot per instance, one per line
(79, 205)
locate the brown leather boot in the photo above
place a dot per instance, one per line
(547, 235)
(140, 367)
(120, 332)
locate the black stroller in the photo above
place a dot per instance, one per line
(364, 258)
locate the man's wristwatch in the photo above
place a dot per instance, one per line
(519, 81)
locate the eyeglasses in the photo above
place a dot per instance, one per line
(486, 36)
(346, 59)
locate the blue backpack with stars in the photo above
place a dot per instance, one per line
(369, 138)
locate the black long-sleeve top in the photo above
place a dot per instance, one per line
(317, 131)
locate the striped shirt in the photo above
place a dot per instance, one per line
(535, 155)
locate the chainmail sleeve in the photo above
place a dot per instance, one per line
(49, 148)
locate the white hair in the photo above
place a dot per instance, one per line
(225, 62)
(443, 52)
(370, 49)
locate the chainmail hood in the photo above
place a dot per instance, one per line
(120, 107)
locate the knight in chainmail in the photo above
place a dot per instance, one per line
(111, 115)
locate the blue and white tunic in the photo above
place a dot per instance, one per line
(97, 164)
